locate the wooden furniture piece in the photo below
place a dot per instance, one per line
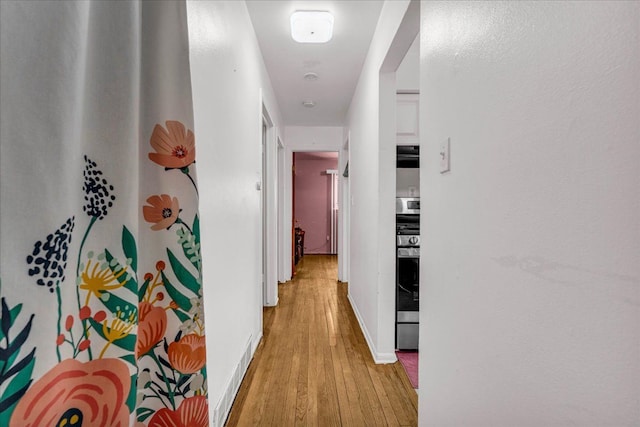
(299, 244)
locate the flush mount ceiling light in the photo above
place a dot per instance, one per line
(309, 104)
(311, 26)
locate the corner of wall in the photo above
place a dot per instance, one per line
(378, 357)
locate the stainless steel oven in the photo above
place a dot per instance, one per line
(407, 281)
(407, 205)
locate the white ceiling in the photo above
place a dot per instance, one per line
(338, 63)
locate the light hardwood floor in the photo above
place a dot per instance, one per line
(313, 366)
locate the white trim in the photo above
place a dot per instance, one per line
(284, 226)
(223, 407)
(378, 358)
(269, 207)
(255, 344)
(275, 304)
(345, 207)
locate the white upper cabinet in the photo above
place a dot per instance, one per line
(407, 119)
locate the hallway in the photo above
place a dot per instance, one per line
(313, 366)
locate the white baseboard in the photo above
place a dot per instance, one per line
(256, 343)
(274, 304)
(378, 357)
(384, 358)
(223, 407)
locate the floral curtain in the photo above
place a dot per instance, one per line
(101, 293)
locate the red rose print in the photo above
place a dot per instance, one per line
(92, 393)
(188, 355)
(192, 412)
(151, 329)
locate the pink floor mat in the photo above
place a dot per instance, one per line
(409, 360)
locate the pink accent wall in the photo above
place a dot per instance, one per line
(313, 199)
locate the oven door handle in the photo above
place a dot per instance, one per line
(408, 256)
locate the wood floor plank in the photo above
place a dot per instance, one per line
(274, 411)
(394, 376)
(313, 366)
(381, 391)
(289, 410)
(312, 373)
(303, 375)
(329, 406)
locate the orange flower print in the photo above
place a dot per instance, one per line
(188, 355)
(175, 146)
(76, 393)
(192, 412)
(163, 212)
(151, 327)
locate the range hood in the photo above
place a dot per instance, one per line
(408, 156)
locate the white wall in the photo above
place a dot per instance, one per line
(372, 289)
(229, 80)
(530, 301)
(407, 75)
(408, 182)
(305, 138)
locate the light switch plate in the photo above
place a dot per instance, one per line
(445, 156)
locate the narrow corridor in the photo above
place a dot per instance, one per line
(313, 366)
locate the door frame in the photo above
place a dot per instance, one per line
(311, 141)
(344, 217)
(269, 209)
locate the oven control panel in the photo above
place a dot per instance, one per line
(408, 240)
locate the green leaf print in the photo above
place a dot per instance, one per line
(15, 372)
(196, 229)
(184, 276)
(129, 248)
(182, 301)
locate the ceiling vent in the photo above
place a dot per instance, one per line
(311, 77)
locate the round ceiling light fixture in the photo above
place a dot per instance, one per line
(311, 76)
(309, 104)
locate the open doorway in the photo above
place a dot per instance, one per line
(400, 144)
(408, 211)
(315, 204)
